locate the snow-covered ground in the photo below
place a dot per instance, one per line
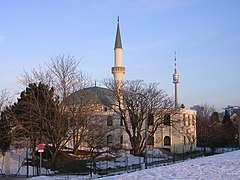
(126, 159)
(17, 160)
(222, 166)
(123, 159)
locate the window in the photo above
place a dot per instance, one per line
(74, 109)
(189, 120)
(150, 140)
(184, 119)
(193, 120)
(121, 140)
(109, 139)
(167, 119)
(121, 122)
(167, 141)
(105, 109)
(135, 117)
(109, 121)
(150, 119)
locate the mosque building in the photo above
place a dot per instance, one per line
(180, 138)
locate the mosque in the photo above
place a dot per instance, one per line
(181, 138)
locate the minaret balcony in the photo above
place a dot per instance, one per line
(118, 69)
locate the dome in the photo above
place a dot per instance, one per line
(91, 95)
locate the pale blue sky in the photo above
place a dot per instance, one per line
(204, 33)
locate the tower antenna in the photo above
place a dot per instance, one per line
(175, 62)
(175, 79)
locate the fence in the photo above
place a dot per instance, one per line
(21, 160)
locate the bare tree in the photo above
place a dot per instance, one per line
(236, 121)
(66, 77)
(191, 137)
(100, 138)
(207, 126)
(5, 99)
(135, 102)
(80, 110)
(85, 114)
(37, 75)
(62, 73)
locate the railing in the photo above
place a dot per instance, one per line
(118, 69)
(106, 168)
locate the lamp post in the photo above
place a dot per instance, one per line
(238, 122)
(146, 138)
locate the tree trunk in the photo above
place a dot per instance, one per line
(94, 166)
(137, 149)
(53, 161)
(204, 149)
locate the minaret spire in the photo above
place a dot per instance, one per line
(118, 42)
(175, 79)
(118, 70)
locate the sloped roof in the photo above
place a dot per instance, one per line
(118, 42)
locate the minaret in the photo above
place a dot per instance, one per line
(118, 70)
(175, 81)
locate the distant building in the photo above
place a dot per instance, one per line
(235, 118)
(199, 109)
(230, 110)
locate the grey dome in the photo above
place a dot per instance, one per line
(91, 95)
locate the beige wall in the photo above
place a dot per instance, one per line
(182, 132)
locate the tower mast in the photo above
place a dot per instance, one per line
(175, 80)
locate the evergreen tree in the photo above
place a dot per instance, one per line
(5, 132)
(40, 118)
(215, 128)
(228, 131)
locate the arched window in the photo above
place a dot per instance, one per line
(150, 119)
(109, 139)
(121, 140)
(110, 121)
(193, 120)
(189, 120)
(150, 140)
(184, 119)
(167, 141)
(167, 119)
(121, 122)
